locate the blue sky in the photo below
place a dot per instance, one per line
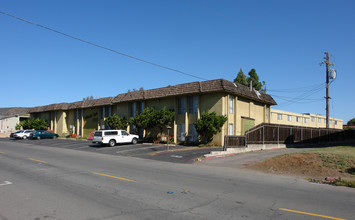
(283, 40)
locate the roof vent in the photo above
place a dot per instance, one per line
(257, 93)
(235, 85)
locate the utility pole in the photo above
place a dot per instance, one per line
(327, 64)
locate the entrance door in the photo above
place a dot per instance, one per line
(247, 123)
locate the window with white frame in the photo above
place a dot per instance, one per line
(330, 121)
(267, 111)
(231, 104)
(325, 121)
(181, 132)
(289, 118)
(306, 120)
(336, 122)
(298, 119)
(313, 119)
(319, 120)
(231, 129)
(279, 116)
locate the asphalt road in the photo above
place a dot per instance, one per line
(176, 154)
(42, 182)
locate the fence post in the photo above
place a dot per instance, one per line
(263, 135)
(291, 137)
(278, 134)
(301, 134)
(225, 143)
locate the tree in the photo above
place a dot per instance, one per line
(38, 124)
(255, 80)
(208, 125)
(351, 122)
(116, 122)
(241, 78)
(164, 118)
(253, 76)
(145, 120)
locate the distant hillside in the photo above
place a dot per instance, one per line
(6, 112)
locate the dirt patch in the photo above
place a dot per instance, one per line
(309, 165)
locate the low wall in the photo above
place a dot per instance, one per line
(5, 134)
(248, 148)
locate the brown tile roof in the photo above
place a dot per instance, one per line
(218, 85)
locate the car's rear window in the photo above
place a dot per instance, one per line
(98, 134)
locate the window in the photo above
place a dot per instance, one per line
(231, 104)
(231, 129)
(133, 109)
(298, 119)
(325, 121)
(182, 105)
(313, 119)
(102, 115)
(124, 133)
(336, 122)
(111, 133)
(181, 132)
(306, 120)
(279, 116)
(108, 111)
(141, 107)
(319, 120)
(330, 121)
(193, 137)
(193, 104)
(289, 118)
(76, 115)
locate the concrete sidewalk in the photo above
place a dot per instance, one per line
(244, 159)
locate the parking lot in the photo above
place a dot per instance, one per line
(176, 154)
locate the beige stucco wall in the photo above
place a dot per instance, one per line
(319, 120)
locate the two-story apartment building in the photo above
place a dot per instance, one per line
(305, 119)
(243, 107)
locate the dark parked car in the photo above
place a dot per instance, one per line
(43, 134)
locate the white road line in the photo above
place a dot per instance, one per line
(5, 183)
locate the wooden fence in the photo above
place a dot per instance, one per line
(286, 134)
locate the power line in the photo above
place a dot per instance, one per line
(295, 90)
(304, 95)
(102, 47)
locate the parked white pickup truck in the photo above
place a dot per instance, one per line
(113, 137)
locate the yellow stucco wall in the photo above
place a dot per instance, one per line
(307, 120)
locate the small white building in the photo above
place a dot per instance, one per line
(8, 124)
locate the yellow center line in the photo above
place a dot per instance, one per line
(41, 161)
(307, 213)
(116, 177)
